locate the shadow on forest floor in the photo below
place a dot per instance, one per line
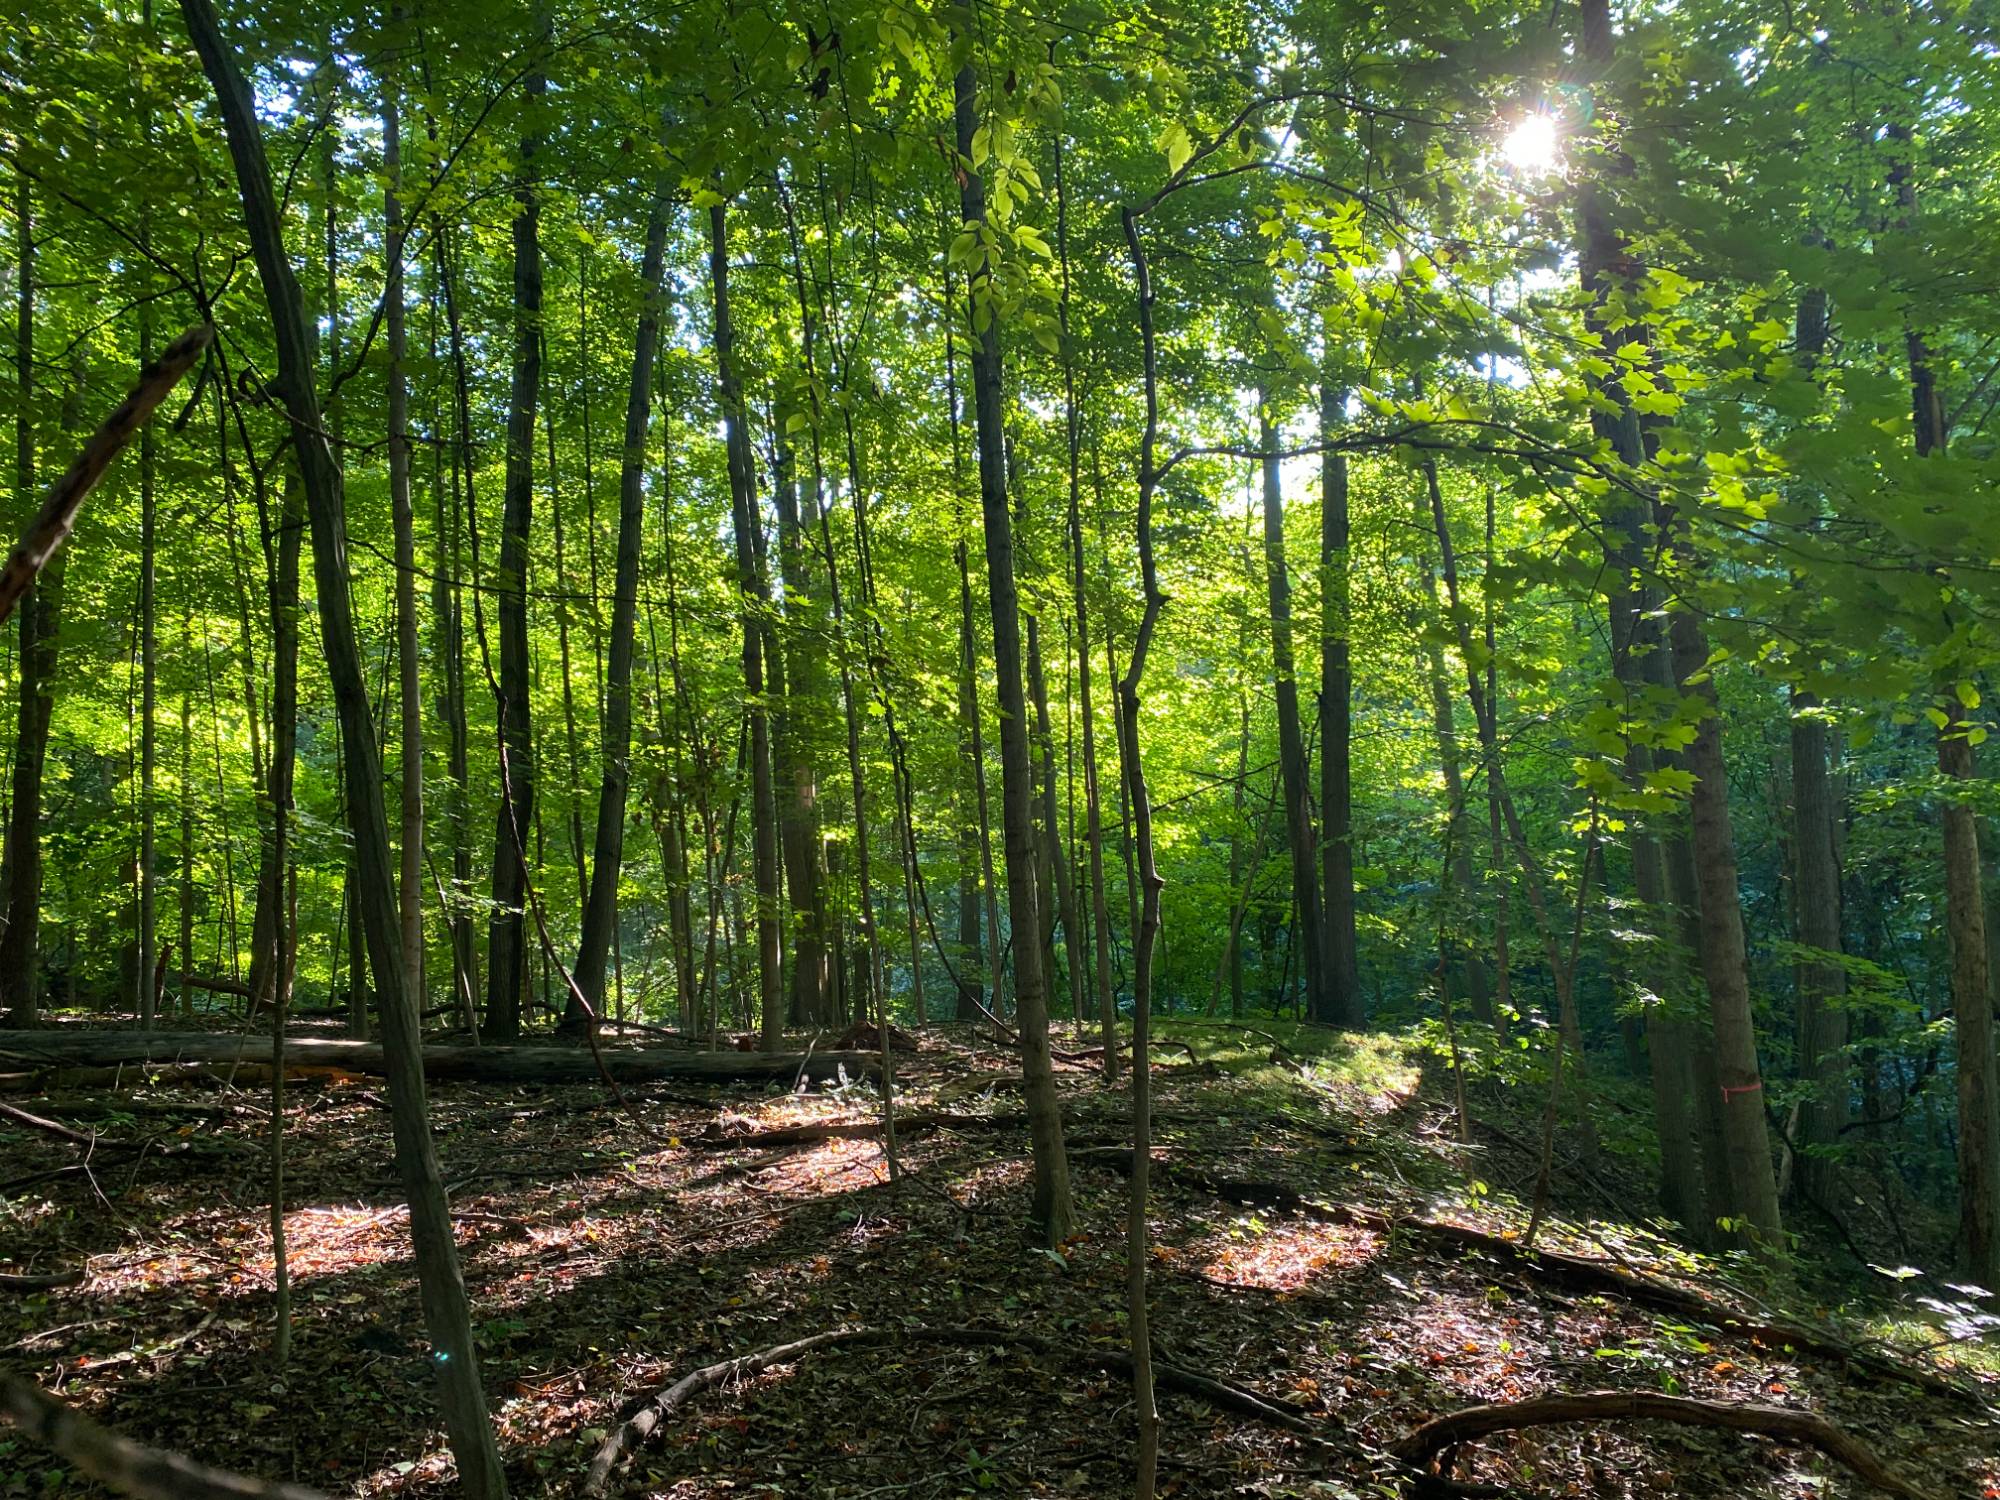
(603, 1261)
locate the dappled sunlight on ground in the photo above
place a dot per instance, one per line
(603, 1261)
(1283, 1258)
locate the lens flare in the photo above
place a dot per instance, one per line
(1531, 145)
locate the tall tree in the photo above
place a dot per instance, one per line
(506, 931)
(754, 603)
(1050, 1210)
(1340, 969)
(446, 1313)
(600, 912)
(39, 617)
(1299, 835)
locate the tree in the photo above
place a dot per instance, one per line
(446, 1314)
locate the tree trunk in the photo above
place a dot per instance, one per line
(149, 692)
(1292, 765)
(1054, 857)
(970, 716)
(446, 1314)
(1137, 1250)
(1752, 1188)
(755, 600)
(39, 616)
(506, 931)
(1340, 969)
(1471, 975)
(1821, 981)
(1640, 664)
(600, 911)
(448, 620)
(808, 690)
(1100, 967)
(1978, 1099)
(1050, 1211)
(409, 678)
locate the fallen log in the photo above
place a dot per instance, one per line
(46, 1077)
(1783, 1423)
(146, 1473)
(624, 1439)
(11, 1281)
(844, 1130)
(468, 1064)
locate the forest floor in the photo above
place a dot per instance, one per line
(604, 1261)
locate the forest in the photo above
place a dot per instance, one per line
(860, 748)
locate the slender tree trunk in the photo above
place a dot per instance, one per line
(1978, 1101)
(1458, 833)
(971, 800)
(1640, 665)
(448, 614)
(1050, 1210)
(600, 914)
(1821, 981)
(1055, 856)
(809, 689)
(186, 850)
(566, 675)
(410, 742)
(1752, 1185)
(674, 730)
(1292, 765)
(38, 617)
(1341, 967)
(970, 716)
(446, 1315)
(149, 692)
(972, 734)
(506, 933)
(1137, 1251)
(755, 597)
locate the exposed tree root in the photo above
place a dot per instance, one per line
(630, 1434)
(147, 1473)
(1422, 1446)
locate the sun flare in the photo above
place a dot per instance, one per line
(1531, 145)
